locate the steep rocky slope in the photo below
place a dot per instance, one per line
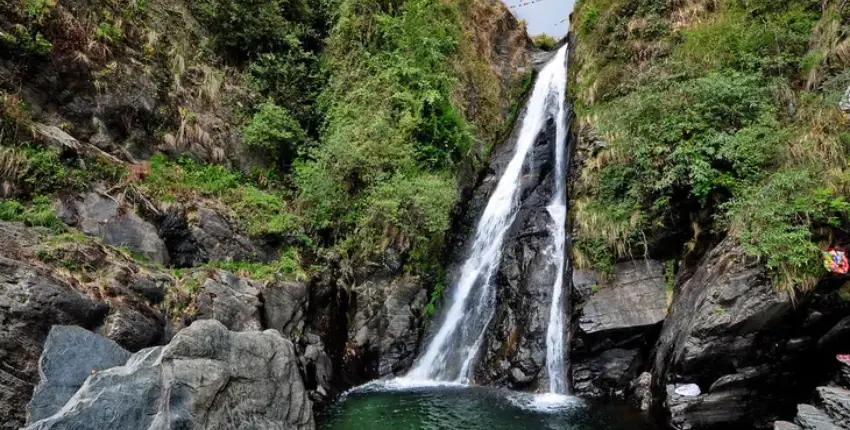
(136, 199)
(711, 152)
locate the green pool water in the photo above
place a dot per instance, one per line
(473, 409)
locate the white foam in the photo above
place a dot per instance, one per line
(547, 402)
(401, 384)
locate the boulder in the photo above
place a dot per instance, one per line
(609, 373)
(635, 298)
(71, 354)
(812, 418)
(785, 425)
(219, 240)
(232, 300)
(206, 377)
(135, 327)
(148, 288)
(97, 215)
(749, 347)
(285, 306)
(708, 410)
(617, 320)
(31, 301)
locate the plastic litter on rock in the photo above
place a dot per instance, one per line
(835, 260)
(688, 390)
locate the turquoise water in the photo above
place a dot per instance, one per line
(473, 409)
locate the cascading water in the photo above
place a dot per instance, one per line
(450, 353)
(555, 351)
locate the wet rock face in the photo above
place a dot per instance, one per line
(617, 320)
(387, 321)
(207, 376)
(514, 349)
(30, 303)
(752, 352)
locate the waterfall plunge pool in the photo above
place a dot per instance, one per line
(474, 408)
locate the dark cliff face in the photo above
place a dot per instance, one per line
(754, 351)
(372, 318)
(514, 349)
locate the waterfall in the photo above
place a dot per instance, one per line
(449, 355)
(555, 351)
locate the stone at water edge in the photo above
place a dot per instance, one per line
(836, 403)
(206, 376)
(811, 418)
(688, 390)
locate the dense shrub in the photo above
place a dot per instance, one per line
(273, 129)
(382, 171)
(716, 121)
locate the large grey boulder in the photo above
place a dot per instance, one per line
(70, 356)
(285, 306)
(31, 301)
(743, 342)
(635, 298)
(97, 215)
(207, 377)
(617, 318)
(232, 300)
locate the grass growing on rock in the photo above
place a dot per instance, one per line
(261, 212)
(713, 115)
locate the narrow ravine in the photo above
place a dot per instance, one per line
(452, 350)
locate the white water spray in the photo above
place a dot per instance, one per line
(555, 350)
(450, 353)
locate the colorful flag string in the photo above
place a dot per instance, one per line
(525, 4)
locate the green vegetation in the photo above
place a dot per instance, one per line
(38, 213)
(288, 266)
(355, 116)
(262, 212)
(724, 108)
(545, 42)
(386, 177)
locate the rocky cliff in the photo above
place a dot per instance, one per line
(514, 348)
(751, 321)
(135, 206)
